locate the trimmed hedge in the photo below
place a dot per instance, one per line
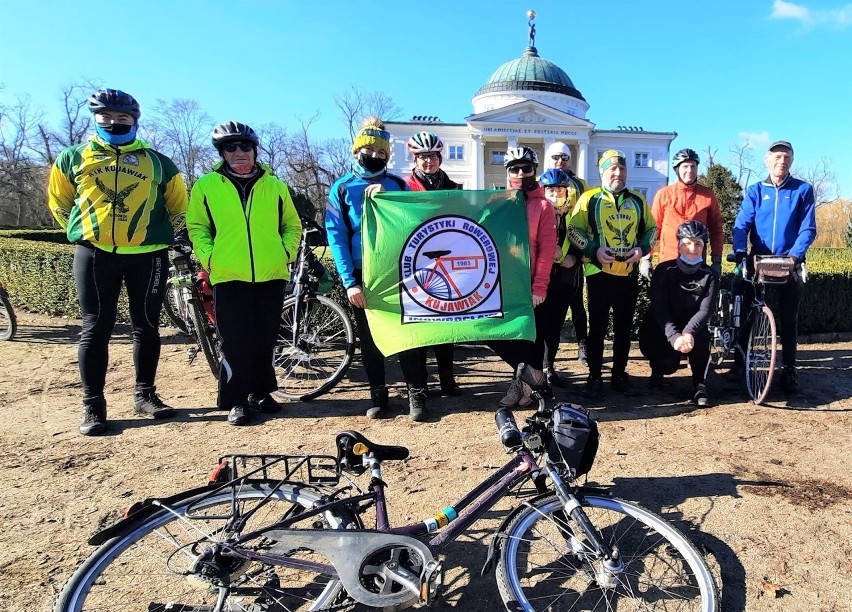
(36, 266)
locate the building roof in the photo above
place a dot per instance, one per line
(530, 73)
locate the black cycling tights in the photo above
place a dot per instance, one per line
(99, 275)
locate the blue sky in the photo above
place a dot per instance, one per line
(716, 72)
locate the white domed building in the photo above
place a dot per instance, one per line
(530, 101)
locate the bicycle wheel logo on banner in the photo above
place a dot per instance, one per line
(449, 271)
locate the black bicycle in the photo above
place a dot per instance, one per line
(8, 320)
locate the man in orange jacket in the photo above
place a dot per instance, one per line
(685, 200)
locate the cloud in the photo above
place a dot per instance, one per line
(838, 18)
(756, 141)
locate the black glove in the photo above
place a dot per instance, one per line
(740, 257)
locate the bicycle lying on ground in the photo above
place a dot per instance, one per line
(316, 340)
(729, 324)
(281, 532)
(189, 305)
(8, 320)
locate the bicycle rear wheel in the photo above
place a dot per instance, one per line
(205, 336)
(315, 345)
(721, 330)
(8, 321)
(760, 355)
(544, 566)
(152, 566)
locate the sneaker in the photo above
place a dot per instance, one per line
(621, 383)
(699, 397)
(536, 379)
(266, 404)
(554, 378)
(594, 387)
(526, 396)
(147, 403)
(790, 380)
(416, 404)
(657, 382)
(379, 398)
(238, 415)
(581, 352)
(513, 395)
(94, 417)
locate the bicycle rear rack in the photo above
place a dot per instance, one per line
(312, 469)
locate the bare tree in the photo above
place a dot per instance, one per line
(821, 175)
(355, 103)
(742, 160)
(74, 126)
(711, 154)
(180, 128)
(273, 148)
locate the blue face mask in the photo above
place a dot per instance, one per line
(691, 262)
(117, 133)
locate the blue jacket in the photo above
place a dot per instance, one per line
(779, 221)
(343, 219)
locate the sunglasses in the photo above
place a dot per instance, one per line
(520, 169)
(244, 146)
(563, 157)
(427, 156)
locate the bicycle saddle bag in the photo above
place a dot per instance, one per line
(574, 439)
(772, 268)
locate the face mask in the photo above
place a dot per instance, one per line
(691, 262)
(116, 133)
(527, 183)
(370, 163)
(242, 168)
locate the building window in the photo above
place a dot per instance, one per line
(456, 152)
(497, 158)
(643, 191)
(641, 160)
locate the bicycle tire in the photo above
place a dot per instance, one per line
(721, 330)
(760, 354)
(316, 359)
(539, 568)
(148, 566)
(171, 306)
(205, 337)
(8, 320)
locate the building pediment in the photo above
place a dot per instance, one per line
(529, 112)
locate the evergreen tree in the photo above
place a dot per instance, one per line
(728, 193)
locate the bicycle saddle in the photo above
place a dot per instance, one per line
(349, 459)
(436, 254)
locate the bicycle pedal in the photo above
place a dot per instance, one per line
(433, 579)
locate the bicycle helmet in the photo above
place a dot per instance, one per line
(425, 142)
(554, 178)
(114, 100)
(693, 230)
(520, 155)
(233, 131)
(684, 155)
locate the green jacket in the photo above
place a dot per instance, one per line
(252, 241)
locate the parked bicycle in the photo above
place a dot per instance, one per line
(189, 305)
(282, 532)
(8, 320)
(729, 324)
(316, 340)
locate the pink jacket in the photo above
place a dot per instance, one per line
(541, 220)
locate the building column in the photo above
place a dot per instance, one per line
(582, 160)
(477, 160)
(512, 142)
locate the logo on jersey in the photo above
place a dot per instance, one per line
(131, 160)
(449, 271)
(116, 198)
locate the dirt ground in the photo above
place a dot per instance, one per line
(764, 491)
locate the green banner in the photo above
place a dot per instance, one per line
(446, 266)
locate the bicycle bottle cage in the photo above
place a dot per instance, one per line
(772, 269)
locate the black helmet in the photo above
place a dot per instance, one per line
(233, 131)
(114, 100)
(693, 230)
(684, 155)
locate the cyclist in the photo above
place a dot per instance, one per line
(371, 149)
(686, 199)
(558, 155)
(245, 230)
(521, 164)
(778, 217)
(619, 229)
(119, 201)
(426, 148)
(565, 276)
(683, 292)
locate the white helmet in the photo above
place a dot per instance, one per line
(520, 155)
(425, 142)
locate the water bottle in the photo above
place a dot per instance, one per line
(735, 312)
(507, 428)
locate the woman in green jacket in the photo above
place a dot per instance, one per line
(244, 230)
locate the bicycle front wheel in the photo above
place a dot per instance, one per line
(172, 308)
(315, 347)
(721, 330)
(760, 355)
(547, 564)
(8, 321)
(153, 566)
(205, 336)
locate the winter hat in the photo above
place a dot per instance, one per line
(610, 158)
(372, 134)
(557, 148)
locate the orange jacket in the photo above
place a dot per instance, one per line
(678, 203)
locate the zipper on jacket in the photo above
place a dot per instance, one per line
(115, 186)
(247, 213)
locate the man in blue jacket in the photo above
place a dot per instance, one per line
(778, 217)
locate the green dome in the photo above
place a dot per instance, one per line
(531, 73)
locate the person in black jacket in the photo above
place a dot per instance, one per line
(683, 292)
